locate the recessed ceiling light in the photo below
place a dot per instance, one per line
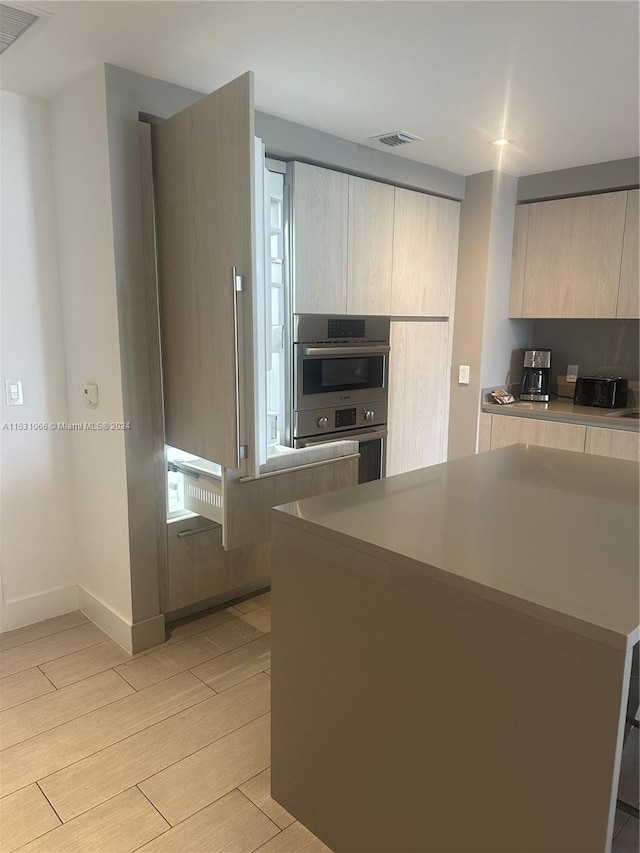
(502, 141)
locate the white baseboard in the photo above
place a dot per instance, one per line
(18, 612)
(134, 637)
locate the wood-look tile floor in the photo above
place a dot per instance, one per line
(164, 751)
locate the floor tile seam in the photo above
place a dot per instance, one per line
(121, 740)
(88, 811)
(214, 657)
(38, 667)
(236, 683)
(59, 689)
(66, 722)
(191, 672)
(230, 652)
(207, 805)
(50, 660)
(168, 642)
(24, 701)
(79, 651)
(255, 805)
(97, 751)
(57, 634)
(140, 782)
(624, 823)
(44, 636)
(55, 811)
(171, 645)
(164, 646)
(153, 806)
(205, 746)
(35, 837)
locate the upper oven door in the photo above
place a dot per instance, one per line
(330, 375)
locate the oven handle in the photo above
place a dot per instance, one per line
(340, 436)
(355, 350)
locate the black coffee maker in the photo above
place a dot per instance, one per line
(536, 375)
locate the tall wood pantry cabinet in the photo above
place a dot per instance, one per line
(419, 367)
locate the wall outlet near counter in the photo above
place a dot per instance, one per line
(572, 372)
(464, 372)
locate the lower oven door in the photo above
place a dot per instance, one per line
(373, 450)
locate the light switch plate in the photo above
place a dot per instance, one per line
(13, 392)
(464, 371)
(90, 392)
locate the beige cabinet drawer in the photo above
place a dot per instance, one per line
(506, 430)
(198, 567)
(613, 442)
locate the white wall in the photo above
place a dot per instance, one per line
(92, 349)
(38, 559)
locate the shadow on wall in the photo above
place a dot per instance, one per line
(611, 347)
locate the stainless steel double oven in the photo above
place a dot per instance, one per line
(340, 376)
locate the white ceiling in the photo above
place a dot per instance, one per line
(560, 78)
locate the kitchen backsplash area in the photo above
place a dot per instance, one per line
(611, 347)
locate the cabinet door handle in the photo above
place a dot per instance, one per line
(190, 532)
(356, 351)
(237, 286)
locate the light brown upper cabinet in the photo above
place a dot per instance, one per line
(203, 159)
(425, 254)
(370, 239)
(567, 257)
(320, 221)
(364, 247)
(629, 296)
(518, 257)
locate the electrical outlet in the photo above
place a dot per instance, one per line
(463, 374)
(572, 372)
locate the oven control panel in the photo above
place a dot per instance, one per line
(319, 329)
(350, 328)
(345, 418)
(326, 421)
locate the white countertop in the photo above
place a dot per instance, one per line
(549, 533)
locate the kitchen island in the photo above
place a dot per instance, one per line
(451, 654)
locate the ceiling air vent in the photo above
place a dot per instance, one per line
(14, 21)
(397, 137)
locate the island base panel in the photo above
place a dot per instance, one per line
(410, 716)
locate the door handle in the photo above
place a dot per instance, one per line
(356, 351)
(237, 286)
(190, 532)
